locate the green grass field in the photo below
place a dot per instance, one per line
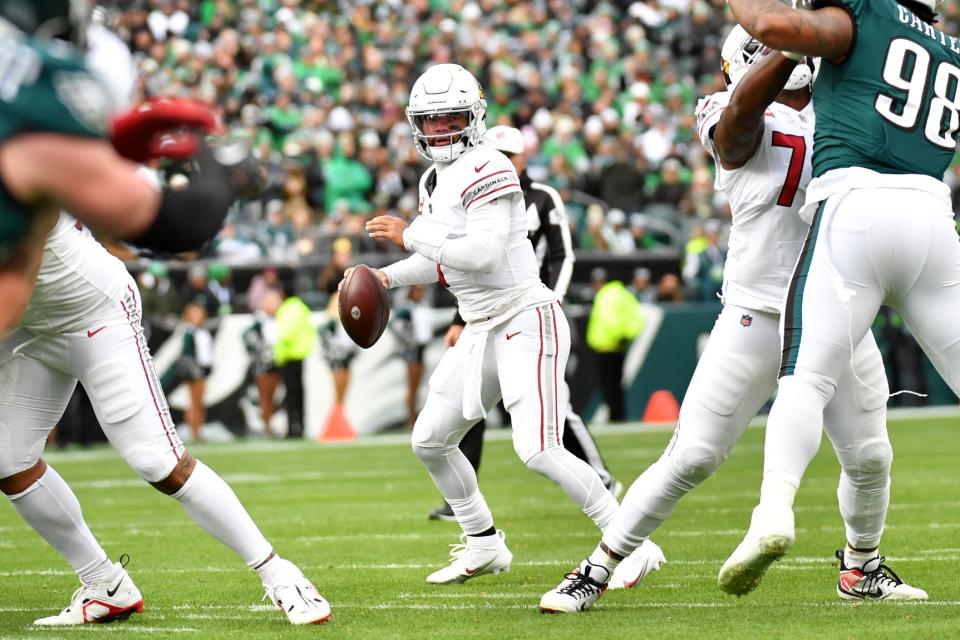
(354, 518)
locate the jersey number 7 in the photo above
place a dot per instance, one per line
(799, 152)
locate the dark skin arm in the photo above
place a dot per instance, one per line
(739, 132)
(826, 32)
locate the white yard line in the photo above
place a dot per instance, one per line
(796, 562)
(392, 439)
(232, 612)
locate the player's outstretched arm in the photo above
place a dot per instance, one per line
(740, 130)
(826, 32)
(83, 175)
(105, 191)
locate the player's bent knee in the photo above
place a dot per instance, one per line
(17, 482)
(152, 464)
(426, 453)
(112, 390)
(696, 463)
(538, 462)
(437, 426)
(874, 457)
(175, 480)
(526, 447)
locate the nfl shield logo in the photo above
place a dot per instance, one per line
(746, 319)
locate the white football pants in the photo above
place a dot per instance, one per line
(524, 360)
(38, 372)
(895, 246)
(735, 376)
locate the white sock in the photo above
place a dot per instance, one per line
(52, 509)
(579, 481)
(213, 505)
(794, 430)
(864, 497)
(491, 541)
(472, 512)
(856, 559)
(778, 489)
(601, 558)
(272, 568)
(649, 501)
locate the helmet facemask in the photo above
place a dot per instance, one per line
(741, 50)
(469, 136)
(443, 90)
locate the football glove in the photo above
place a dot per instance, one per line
(162, 128)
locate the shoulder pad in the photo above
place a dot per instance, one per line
(708, 112)
(482, 174)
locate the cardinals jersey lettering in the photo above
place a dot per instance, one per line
(765, 197)
(77, 278)
(448, 195)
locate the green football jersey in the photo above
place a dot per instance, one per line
(44, 87)
(893, 105)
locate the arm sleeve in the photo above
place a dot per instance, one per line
(479, 250)
(559, 247)
(413, 270)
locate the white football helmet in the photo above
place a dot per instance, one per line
(740, 50)
(447, 88)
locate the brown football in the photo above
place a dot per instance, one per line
(364, 306)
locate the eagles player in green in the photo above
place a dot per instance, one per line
(55, 152)
(882, 232)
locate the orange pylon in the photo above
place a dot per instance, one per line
(337, 427)
(661, 407)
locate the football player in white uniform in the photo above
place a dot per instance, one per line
(471, 236)
(760, 132)
(83, 323)
(882, 228)
(550, 235)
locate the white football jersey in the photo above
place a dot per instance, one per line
(448, 192)
(77, 278)
(765, 195)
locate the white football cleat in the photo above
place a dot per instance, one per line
(874, 581)
(296, 596)
(578, 591)
(470, 559)
(646, 558)
(770, 536)
(117, 598)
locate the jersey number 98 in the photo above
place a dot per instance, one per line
(907, 68)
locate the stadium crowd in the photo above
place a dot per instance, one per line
(603, 92)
